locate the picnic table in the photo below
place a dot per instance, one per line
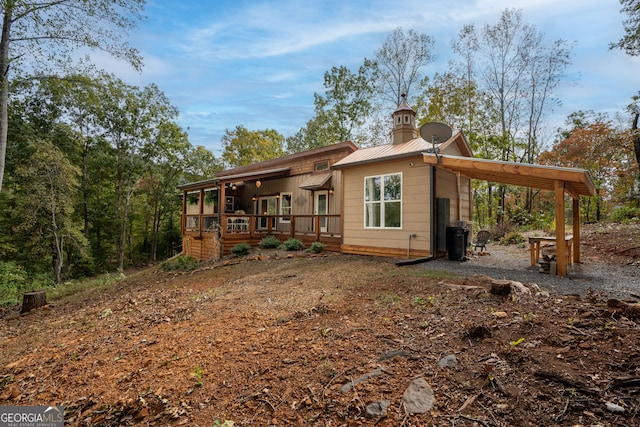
(536, 242)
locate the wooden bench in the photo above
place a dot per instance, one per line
(535, 243)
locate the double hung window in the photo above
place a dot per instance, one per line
(383, 201)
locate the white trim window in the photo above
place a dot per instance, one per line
(383, 201)
(286, 200)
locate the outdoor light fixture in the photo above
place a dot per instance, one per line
(277, 196)
(233, 186)
(258, 184)
(331, 190)
(254, 198)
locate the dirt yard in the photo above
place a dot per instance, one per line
(330, 340)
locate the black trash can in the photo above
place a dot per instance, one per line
(457, 238)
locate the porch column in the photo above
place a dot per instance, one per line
(221, 202)
(561, 255)
(183, 220)
(576, 229)
(200, 210)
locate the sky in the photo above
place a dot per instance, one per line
(258, 63)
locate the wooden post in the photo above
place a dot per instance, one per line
(561, 246)
(31, 300)
(576, 229)
(200, 211)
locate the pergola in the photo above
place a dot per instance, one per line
(575, 182)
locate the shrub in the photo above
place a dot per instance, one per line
(270, 242)
(292, 245)
(625, 213)
(512, 238)
(13, 283)
(317, 247)
(186, 263)
(241, 249)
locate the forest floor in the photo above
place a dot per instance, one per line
(333, 340)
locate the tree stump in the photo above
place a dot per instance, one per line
(500, 287)
(31, 300)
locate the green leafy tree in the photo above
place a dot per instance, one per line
(243, 147)
(156, 189)
(630, 42)
(43, 36)
(132, 119)
(48, 183)
(345, 107)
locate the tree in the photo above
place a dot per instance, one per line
(344, 107)
(42, 36)
(243, 147)
(200, 164)
(516, 74)
(400, 61)
(635, 130)
(597, 147)
(48, 183)
(166, 160)
(630, 42)
(131, 119)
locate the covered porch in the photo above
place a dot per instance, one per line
(560, 180)
(245, 208)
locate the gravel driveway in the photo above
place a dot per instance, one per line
(511, 262)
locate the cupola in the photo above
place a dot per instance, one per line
(404, 123)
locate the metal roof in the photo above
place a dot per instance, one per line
(315, 181)
(193, 185)
(412, 148)
(255, 174)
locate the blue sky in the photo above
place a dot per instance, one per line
(257, 63)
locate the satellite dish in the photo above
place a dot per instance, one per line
(435, 132)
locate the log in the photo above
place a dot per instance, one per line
(31, 300)
(631, 310)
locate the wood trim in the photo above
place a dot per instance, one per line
(384, 252)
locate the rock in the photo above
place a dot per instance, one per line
(448, 361)
(499, 314)
(391, 354)
(377, 409)
(418, 398)
(373, 374)
(520, 288)
(612, 407)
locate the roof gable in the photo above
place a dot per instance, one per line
(286, 161)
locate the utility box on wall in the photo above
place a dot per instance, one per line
(442, 222)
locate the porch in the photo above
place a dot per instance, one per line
(251, 229)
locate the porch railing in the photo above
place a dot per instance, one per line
(235, 228)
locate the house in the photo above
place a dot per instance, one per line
(407, 199)
(294, 196)
(397, 205)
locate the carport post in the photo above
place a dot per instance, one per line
(561, 245)
(576, 229)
